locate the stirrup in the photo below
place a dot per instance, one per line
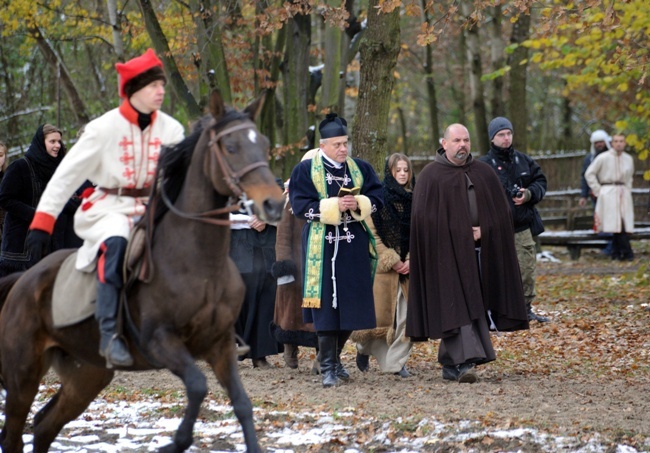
(106, 352)
(241, 348)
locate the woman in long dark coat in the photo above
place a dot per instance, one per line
(21, 189)
(252, 248)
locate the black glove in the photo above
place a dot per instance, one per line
(37, 244)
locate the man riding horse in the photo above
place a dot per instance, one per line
(118, 152)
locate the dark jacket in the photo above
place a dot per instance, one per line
(20, 192)
(513, 167)
(447, 288)
(355, 306)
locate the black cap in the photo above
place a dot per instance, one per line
(333, 126)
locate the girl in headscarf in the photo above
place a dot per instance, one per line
(391, 227)
(21, 189)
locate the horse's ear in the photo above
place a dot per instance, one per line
(217, 107)
(254, 108)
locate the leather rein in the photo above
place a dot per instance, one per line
(232, 178)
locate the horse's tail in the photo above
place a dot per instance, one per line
(6, 283)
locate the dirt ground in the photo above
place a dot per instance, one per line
(560, 401)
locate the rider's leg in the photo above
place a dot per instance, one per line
(109, 274)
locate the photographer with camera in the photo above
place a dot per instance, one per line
(525, 185)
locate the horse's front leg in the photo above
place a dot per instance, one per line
(223, 361)
(169, 351)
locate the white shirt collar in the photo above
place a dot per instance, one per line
(333, 163)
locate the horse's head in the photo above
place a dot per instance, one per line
(237, 163)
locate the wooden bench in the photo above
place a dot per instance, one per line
(576, 240)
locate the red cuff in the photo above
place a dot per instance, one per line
(43, 222)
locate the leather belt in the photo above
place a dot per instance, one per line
(613, 184)
(125, 192)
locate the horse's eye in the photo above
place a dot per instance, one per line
(231, 149)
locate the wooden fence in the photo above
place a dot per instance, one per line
(560, 209)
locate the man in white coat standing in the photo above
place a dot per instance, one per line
(610, 178)
(118, 152)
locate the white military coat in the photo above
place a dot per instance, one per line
(113, 152)
(610, 178)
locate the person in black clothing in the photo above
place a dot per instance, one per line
(252, 248)
(21, 189)
(525, 186)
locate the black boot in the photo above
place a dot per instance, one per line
(532, 316)
(363, 362)
(109, 268)
(341, 372)
(327, 350)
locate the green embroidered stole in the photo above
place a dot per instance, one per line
(316, 240)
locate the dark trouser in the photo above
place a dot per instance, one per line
(621, 248)
(471, 344)
(110, 282)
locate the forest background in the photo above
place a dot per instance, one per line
(399, 71)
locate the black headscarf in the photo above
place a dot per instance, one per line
(393, 221)
(42, 163)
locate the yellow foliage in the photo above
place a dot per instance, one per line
(621, 125)
(603, 52)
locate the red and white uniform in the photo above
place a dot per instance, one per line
(112, 153)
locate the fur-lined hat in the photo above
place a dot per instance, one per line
(139, 72)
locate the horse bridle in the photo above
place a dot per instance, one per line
(232, 178)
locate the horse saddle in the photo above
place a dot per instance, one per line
(75, 291)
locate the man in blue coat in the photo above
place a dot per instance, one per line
(335, 194)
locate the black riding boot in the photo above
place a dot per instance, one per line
(327, 350)
(341, 372)
(109, 269)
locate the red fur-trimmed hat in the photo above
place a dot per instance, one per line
(136, 66)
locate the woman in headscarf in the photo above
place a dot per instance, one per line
(21, 189)
(391, 227)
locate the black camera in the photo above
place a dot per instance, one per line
(515, 193)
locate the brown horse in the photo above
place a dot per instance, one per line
(185, 312)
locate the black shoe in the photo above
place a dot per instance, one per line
(116, 353)
(291, 356)
(403, 373)
(330, 379)
(532, 316)
(363, 362)
(342, 373)
(450, 373)
(466, 373)
(261, 363)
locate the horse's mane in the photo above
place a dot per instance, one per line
(175, 160)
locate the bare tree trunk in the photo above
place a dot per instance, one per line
(210, 58)
(164, 53)
(457, 71)
(116, 27)
(404, 130)
(518, 114)
(296, 87)
(269, 117)
(431, 87)
(379, 49)
(476, 85)
(332, 71)
(59, 67)
(497, 51)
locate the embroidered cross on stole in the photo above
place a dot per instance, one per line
(316, 240)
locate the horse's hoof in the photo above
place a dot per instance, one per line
(171, 448)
